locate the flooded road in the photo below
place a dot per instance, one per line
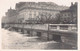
(14, 40)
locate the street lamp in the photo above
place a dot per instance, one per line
(48, 33)
(49, 15)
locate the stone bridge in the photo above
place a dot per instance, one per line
(66, 33)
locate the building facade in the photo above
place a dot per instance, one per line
(11, 16)
(35, 11)
(69, 16)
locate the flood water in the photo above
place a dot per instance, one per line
(15, 40)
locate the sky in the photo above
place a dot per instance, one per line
(6, 4)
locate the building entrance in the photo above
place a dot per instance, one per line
(57, 38)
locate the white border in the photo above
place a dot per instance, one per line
(48, 50)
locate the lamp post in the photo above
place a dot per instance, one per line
(31, 26)
(49, 15)
(48, 33)
(22, 25)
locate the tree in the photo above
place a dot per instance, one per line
(45, 17)
(58, 18)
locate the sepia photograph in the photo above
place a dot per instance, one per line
(39, 25)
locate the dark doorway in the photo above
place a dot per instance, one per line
(57, 38)
(16, 29)
(39, 34)
(22, 31)
(28, 32)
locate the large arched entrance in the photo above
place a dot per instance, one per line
(56, 38)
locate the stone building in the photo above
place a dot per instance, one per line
(32, 11)
(69, 16)
(11, 16)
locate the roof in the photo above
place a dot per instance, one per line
(67, 10)
(41, 5)
(72, 8)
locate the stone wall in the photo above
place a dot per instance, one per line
(69, 40)
(44, 36)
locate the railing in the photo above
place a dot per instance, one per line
(68, 27)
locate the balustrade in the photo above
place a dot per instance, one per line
(69, 27)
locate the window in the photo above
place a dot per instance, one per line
(68, 14)
(30, 15)
(28, 32)
(39, 34)
(34, 13)
(65, 15)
